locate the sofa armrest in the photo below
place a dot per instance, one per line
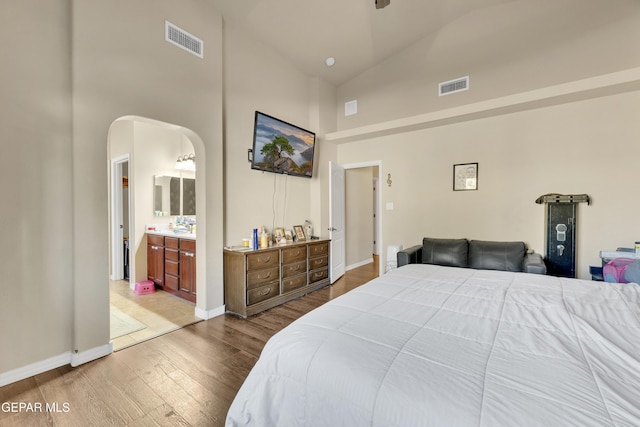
(533, 263)
(412, 255)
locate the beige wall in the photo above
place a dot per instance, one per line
(582, 147)
(503, 61)
(133, 71)
(258, 79)
(36, 297)
(358, 216)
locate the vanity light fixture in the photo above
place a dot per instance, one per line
(186, 162)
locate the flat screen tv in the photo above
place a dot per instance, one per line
(281, 147)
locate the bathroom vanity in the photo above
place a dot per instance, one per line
(171, 262)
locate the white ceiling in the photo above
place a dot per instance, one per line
(359, 36)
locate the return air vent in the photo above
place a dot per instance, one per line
(183, 39)
(453, 86)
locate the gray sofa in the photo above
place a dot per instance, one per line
(478, 254)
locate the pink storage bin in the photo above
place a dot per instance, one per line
(145, 287)
(613, 271)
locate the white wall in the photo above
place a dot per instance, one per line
(581, 147)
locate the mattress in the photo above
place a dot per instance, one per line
(426, 345)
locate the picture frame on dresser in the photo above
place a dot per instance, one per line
(299, 233)
(278, 236)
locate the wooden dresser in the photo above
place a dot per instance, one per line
(255, 281)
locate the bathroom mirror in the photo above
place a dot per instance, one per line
(174, 196)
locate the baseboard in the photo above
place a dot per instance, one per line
(358, 264)
(210, 314)
(91, 354)
(34, 369)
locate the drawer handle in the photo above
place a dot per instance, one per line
(296, 268)
(188, 253)
(316, 275)
(155, 248)
(265, 292)
(260, 276)
(266, 259)
(317, 262)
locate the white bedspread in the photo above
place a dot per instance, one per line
(426, 345)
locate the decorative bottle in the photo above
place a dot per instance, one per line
(264, 240)
(255, 239)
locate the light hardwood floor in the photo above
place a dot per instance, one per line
(160, 312)
(188, 377)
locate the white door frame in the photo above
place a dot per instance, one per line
(376, 218)
(336, 221)
(117, 251)
(378, 212)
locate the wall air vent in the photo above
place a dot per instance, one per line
(453, 86)
(183, 39)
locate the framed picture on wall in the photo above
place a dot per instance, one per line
(465, 177)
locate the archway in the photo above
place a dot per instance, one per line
(141, 142)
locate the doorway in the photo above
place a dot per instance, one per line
(363, 225)
(120, 260)
(139, 317)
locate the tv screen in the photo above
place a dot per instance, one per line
(281, 147)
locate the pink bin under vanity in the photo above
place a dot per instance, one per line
(145, 287)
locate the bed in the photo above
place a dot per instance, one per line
(426, 345)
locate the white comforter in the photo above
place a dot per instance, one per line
(426, 345)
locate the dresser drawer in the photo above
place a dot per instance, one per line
(319, 249)
(317, 275)
(295, 268)
(260, 277)
(262, 293)
(295, 282)
(318, 262)
(294, 254)
(263, 260)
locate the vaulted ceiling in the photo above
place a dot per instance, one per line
(359, 36)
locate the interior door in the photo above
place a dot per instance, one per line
(336, 221)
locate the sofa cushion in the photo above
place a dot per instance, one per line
(450, 252)
(507, 256)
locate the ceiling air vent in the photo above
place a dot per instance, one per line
(183, 39)
(453, 86)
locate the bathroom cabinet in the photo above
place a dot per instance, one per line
(188, 269)
(256, 280)
(155, 259)
(171, 264)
